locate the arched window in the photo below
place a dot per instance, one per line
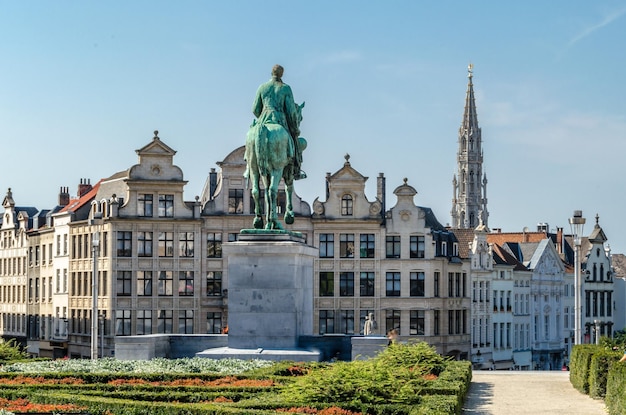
(346, 205)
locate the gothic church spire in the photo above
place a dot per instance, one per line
(469, 199)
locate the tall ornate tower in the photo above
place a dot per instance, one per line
(469, 185)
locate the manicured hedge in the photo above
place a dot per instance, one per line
(599, 369)
(615, 398)
(404, 379)
(580, 363)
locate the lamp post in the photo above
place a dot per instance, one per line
(597, 324)
(576, 223)
(95, 244)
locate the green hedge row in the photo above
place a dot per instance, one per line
(595, 370)
(615, 398)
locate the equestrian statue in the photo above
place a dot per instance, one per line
(274, 149)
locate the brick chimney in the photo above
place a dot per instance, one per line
(64, 196)
(84, 187)
(559, 240)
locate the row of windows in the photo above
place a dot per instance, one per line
(165, 207)
(483, 331)
(598, 303)
(143, 282)
(145, 244)
(342, 321)
(162, 321)
(12, 293)
(165, 244)
(37, 287)
(81, 284)
(46, 327)
(235, 202)
(80, 323)
(13, 266)
(37, 253)
(367, 284)
(367, 246)
(12, 323)
(82, 245)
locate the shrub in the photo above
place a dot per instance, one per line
(401, 374)
(11, 351)
(615, 398)
(579, 365)
(598, 371)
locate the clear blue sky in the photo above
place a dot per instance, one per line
(83, 84)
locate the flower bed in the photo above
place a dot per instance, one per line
(403, 380)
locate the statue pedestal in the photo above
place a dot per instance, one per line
(270, 297)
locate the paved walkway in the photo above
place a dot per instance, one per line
(527, 392)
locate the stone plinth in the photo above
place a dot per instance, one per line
(270, 296)
(367, 346)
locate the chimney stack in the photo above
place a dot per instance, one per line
(64, 196)
(84, 187)
(559, 240)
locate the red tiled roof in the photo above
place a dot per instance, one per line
(500, 238)
(79, 202)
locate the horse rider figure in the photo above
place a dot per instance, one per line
(274, 104)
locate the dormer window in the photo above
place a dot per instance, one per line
(444, 248)
(346, 205)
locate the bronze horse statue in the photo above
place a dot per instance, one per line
(270, 153)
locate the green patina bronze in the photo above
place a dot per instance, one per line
(274, 149)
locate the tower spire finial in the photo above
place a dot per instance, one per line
(470, 191)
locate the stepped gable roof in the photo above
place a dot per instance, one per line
(79, 202)
(465, 236)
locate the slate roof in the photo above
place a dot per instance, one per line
(503, 257)
(431, 220)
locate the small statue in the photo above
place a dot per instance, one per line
(370, 325)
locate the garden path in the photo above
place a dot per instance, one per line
(527, 392)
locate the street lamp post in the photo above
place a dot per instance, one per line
(577, 222)
(597, 329)
(95, 243)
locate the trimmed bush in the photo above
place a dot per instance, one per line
(615, 398)
(580, 363)
(598, 371)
